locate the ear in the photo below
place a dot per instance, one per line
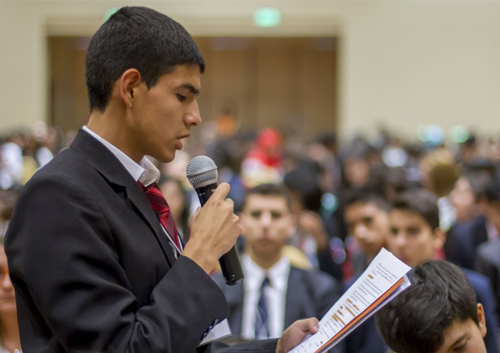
(128, 84)
(481, 319)
(439, 238)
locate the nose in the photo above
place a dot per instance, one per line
(360, 231)
(399, 240)
(193, 116)
(265, 219)
(6, 283)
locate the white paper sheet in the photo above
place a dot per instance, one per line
(381, 275)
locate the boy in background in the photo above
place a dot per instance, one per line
(437, 314)
(416, 237)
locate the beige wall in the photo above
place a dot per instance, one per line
(403, 63)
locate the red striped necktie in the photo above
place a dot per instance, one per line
(162, 210)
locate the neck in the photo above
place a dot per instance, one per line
(109, 126)
(267, 261)
(10, 331)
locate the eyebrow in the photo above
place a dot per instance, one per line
(191, 88)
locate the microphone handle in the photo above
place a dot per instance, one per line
(229, 262)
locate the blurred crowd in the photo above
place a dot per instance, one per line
(341, 193)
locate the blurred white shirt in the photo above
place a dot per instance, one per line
(275, 294)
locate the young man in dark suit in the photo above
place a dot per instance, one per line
(258, 310)
(95, 268)
(465, 237)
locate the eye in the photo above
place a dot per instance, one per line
(460, 348)
(255, 214)
(394, 231)
(181, 98)
(276, 215)
(413, 232)
(367, 221)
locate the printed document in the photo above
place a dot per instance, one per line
(384, 279)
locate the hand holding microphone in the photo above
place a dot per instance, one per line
(215, 227)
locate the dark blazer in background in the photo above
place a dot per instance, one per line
(310, 293)
(92, 267)
(484, 295)
(463, 239)
(488, 263)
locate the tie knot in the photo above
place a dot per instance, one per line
(265, 282)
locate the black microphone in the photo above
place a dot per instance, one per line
(202, 174)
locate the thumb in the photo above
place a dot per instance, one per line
(221, 192)
(308, 325)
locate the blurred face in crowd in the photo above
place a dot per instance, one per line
(357, 172)
(369, 225)
(465, 336)
(174, 196)
(463, 199)
(267, 224)
(411, 238)
(7, 294)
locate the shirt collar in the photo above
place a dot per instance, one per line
(277, 274)
(145, 171)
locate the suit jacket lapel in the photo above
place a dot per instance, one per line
(115, 173)
(234, 297)
(296, 296)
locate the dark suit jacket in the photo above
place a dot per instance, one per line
(92, 267)
(463, 239)
(309, 294)
(484, 295)
(488, 263)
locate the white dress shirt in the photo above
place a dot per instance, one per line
(275, 294)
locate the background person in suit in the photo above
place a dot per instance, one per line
(488, 263)
(467, 236)
(416, 237)
(290, 293)
(367, 217)
(94, 267)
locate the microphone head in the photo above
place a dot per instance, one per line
(202, 171)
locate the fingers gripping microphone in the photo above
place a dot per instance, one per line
(202, 174)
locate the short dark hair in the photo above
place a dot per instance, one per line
(421, 202)
(365, 195)
(492, 192)
(269, 190)
(140, 38)
(414, 321)
(304, 182)
(478, 181)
